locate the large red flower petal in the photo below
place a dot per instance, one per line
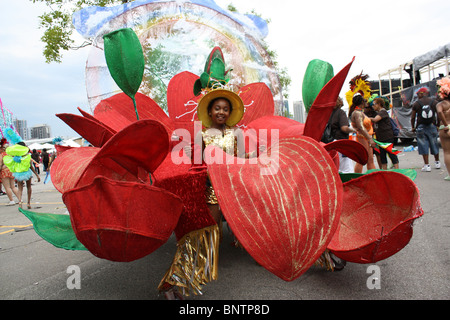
(377, 217)
(352, 149)
(117, 112)
(181, 101)
(93, 131)
(122, 221)
(128, 156)
(284, 213)
(258, 102)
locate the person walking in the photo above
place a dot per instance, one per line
(423, 122)
(37, 160)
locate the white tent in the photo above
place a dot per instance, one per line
(48, 146)
(70, 143)
(36, 146)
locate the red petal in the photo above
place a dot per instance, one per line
(122, 221)
(284, 220)
(258, 102)
(377, 216)
(93, 131)
(181, 101)
(118, 111)
(352, 149)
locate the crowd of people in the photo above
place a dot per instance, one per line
(12, 181)
(369, 120)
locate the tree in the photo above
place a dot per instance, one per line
(58, 25)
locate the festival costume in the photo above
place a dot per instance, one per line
(18, 158)
(293, 230)
(5, 172)
(228, 143)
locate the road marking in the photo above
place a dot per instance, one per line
(24, 226)
(15, 227)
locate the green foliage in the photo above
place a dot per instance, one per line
(58, 28)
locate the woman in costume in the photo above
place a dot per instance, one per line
(6, 175)
(363, 126)
(219, 111)
(18, 161)
(443, 111)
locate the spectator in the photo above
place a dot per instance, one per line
(423, 122)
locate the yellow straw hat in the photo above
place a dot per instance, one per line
(236, 103)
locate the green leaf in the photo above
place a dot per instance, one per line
(125, 60)
(217, 70)
(55, 229)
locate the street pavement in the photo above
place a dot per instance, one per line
(32, 269)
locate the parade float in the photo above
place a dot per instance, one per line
(134, 188)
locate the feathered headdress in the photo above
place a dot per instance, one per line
(12, 136)
(359, 84)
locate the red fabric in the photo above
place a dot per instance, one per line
(285, 219)
(128, 156)
(352, 149)
(93, 131)
(91, 117)
(68, 167)
(189, 183)
(260, 130)
(322, 107)
(377, 216)
(117, 112)
(181, 101)
(258, 102)
(143, 144)
(122, 221)
(61, 149)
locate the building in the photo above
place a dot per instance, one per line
(22, 128)
(41, 131)
(299, 112)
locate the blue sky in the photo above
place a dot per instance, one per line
(381, 37)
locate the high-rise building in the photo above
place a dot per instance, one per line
(22, 129)
(40, 131)
(299, 112)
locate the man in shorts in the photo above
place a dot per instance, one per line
(423, 122)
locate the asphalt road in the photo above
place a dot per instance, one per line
(32, 269)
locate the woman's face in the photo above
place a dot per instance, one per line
(220, 111)
(376, 106)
